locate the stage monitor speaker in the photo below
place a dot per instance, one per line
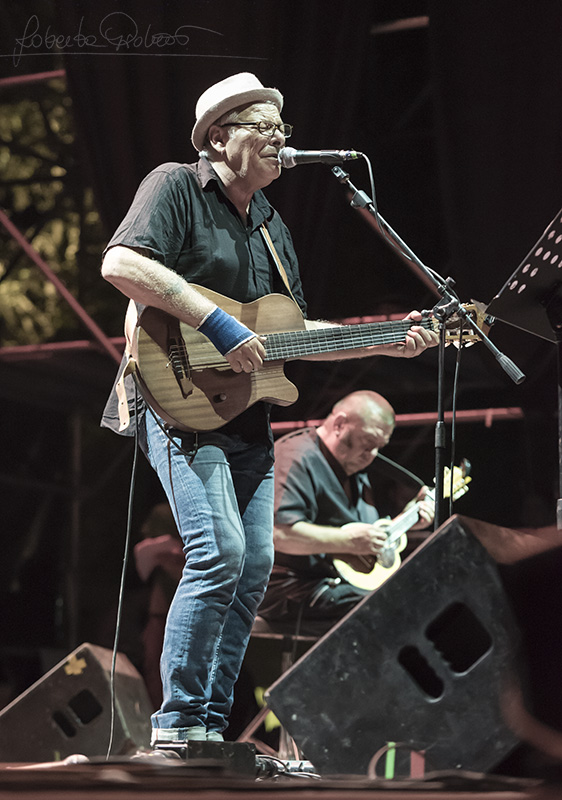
(68, 710)
(420, 662)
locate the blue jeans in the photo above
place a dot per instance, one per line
(223, 506)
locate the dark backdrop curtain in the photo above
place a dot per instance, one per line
(498, 90)
(492, 135)
(136, 111)
(498, 100)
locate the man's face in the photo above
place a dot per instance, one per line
(359, 442)
(251, 154)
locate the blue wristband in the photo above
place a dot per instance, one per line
(224, 331)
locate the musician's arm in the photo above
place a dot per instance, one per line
(306, 538)
(151, 283)
(418, 339)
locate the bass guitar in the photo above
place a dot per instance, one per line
(186, 380)
(370, 571)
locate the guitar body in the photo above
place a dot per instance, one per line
(186, 380)
(367, 572)
(370, 571)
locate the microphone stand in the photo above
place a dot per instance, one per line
(445, 308)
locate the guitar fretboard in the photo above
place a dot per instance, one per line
(402, 524)
(295, 344)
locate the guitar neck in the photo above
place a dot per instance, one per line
(402, 524)
(404, 521)
(296, 344)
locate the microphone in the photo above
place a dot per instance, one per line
(289, 157)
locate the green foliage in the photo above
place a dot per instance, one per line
(45, 192)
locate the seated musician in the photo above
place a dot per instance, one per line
(324, 507)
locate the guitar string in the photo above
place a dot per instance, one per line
(293, 344)
(287, 344)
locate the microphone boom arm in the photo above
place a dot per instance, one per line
(443, 310)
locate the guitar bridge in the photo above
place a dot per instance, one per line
(179, 362)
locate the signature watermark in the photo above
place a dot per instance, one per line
(116, 33)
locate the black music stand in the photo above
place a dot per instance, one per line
(531, 299)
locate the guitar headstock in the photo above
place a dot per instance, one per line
(461, 330)
(456, 484)
(456, 487)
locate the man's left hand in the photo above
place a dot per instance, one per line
(418, 340)
(426, 510)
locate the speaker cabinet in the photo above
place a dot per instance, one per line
(68, 710)
(420, 662)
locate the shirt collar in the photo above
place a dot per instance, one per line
(260, 208)
(333, 462)
(205, 172)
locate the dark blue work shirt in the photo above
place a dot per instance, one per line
(311, 486)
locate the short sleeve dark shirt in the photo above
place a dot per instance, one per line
(181, 217)
(310, 486)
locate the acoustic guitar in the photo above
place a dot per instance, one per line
(185, 379)
(370, 571)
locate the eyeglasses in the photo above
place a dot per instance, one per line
(265, 128)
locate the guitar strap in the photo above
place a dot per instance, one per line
(123, 406)
(129, 368)
(280, 268)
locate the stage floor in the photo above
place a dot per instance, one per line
(133, 777)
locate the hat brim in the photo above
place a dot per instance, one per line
(213, 113)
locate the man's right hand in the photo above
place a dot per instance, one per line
(249, 356)
(364, 539)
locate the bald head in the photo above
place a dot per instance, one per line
(356, 429)
(365, 406)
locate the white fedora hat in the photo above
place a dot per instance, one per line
(238, 90)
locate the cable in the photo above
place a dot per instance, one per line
(391, 241)
(273, 767)
(361, 200)
(190, 456)
(407, 472)
(454, 418)
(179, 448)
(123, 576)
